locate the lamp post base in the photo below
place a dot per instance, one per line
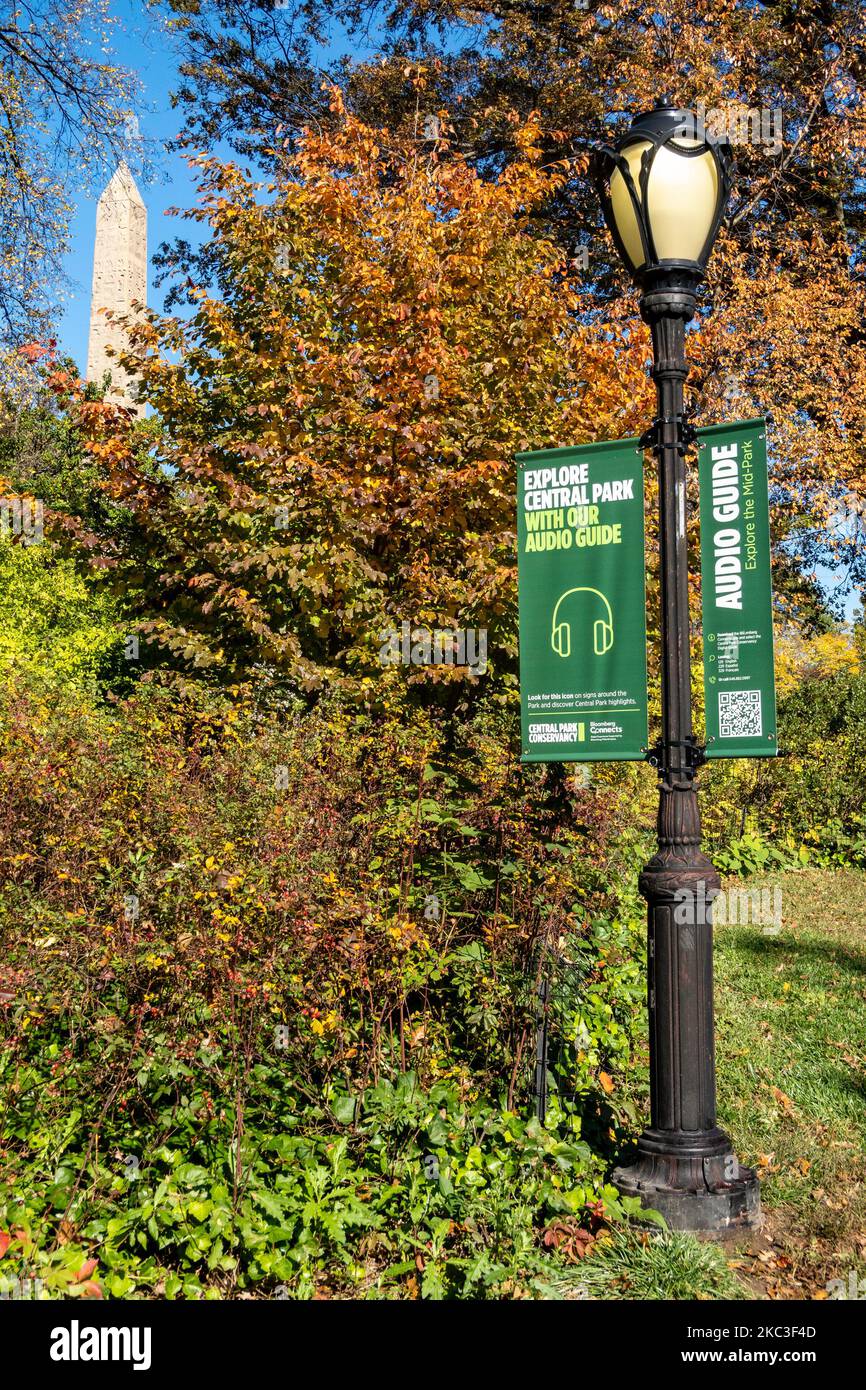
(702, 1189)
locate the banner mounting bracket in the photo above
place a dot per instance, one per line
(696, 754)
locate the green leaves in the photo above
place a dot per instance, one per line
(428, 1197)
(191, 1175)
(469, 877)
(343, 1109)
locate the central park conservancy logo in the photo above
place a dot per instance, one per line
(575, 731)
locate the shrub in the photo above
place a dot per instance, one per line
(55, 627)
(226, 934)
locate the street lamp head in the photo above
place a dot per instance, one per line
(663, 188)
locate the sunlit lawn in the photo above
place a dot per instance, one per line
(791, 1059)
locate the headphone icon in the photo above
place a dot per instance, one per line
(602, 632)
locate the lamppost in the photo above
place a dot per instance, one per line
(663, 189)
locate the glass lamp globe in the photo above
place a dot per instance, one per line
(663, 189)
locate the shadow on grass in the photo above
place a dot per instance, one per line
(850, 958)
(814, 1032)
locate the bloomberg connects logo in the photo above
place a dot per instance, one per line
(75, 1343)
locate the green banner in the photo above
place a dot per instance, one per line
(739, 680)
(580, 528)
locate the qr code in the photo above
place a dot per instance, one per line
(740, 714)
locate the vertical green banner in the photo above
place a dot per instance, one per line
(581, 582)
(739, 679)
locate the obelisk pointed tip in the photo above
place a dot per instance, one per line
(122, 185)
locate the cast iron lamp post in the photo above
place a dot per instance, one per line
(663, 189)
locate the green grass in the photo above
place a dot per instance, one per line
(791, 1059)
(634, 1264)
(791, 1071)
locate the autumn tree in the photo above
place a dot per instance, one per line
(781, 327)
(339, 416)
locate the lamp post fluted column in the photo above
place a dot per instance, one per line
(685, 1167)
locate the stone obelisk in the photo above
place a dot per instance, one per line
(119, 277)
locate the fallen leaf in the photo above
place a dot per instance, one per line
(785, 1101)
